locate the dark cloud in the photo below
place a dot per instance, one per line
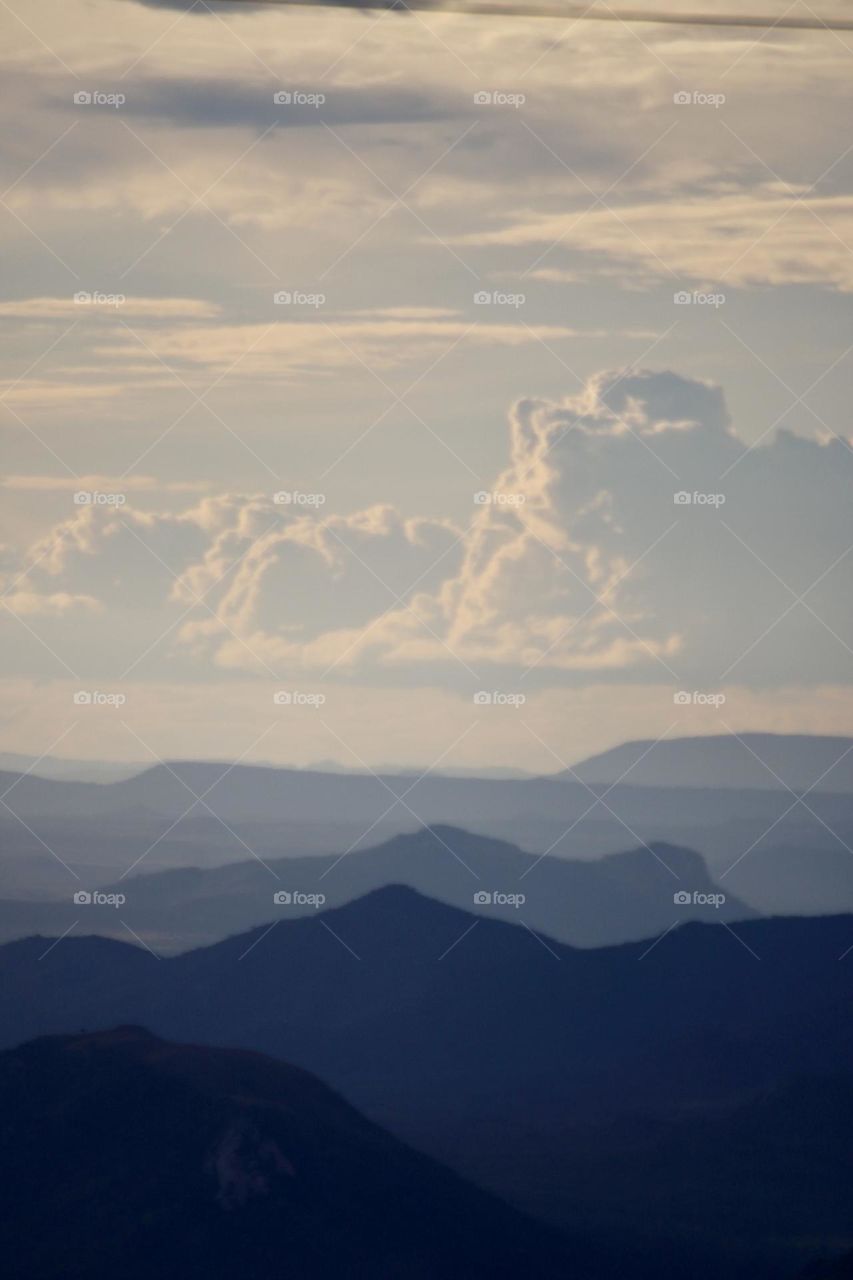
(207, 103)
(543, 8)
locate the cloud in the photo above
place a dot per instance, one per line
(92, 305)
(282, 347)
(101, 484)
(584, 560)
(554, 9)
(258, 580)
(56, 604)
(206, 103)
(764, 236)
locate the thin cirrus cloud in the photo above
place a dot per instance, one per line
(583, 562)
(767, 236)
(85, 304)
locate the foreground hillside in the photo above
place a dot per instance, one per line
(124, 1156)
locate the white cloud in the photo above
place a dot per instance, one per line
(762, 236)
(581, 565)
(99, 305)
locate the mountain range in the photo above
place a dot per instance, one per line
(778, 850)
(593, 1089)
(767, 761)
(636, 894)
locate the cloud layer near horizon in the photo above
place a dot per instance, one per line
(624, 537)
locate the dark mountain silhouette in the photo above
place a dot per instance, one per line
(759, 1187)
(523, 1063)
(839, 1269)
(393, 985)
(615, 899)
(123, 1155)
(768, 761)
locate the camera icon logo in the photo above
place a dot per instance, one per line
(282, 898)
(82, 698)
(282, 298)
(282, 698)
(682, 98)
(482, 499)
(682, 298)
(682, 898)
(482, 698)
(682, 498)
(482, 98)
(482, 297)
(83, 98)
(82, 898)
(82, 498)
(682, 698)
(482, 898)
(282, 98)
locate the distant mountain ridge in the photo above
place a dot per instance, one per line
(541, 814)
(620, 897)
(765, 761)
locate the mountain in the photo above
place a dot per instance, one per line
(123, 1155)
(615, 899)
(207, 815)
(794, 879)
(522, 1063)
(391, 986)
(839, 1269)
(767, 761)
(63, 770)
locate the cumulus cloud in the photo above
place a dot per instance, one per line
(632, 535)
(251, 580)
(633, 524)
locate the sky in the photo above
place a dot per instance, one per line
(420, 388)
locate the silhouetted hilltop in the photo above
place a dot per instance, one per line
(123, 1155)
